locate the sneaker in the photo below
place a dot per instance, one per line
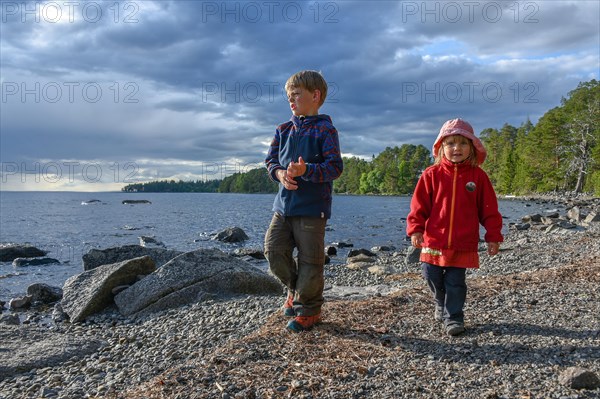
(288, 306)
(454, 329)
(303, 323)
(438, 315)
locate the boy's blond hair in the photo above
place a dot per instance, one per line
(309, 80)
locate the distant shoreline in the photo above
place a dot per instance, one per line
(520, 197)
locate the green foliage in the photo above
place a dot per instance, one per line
(394, 171)
(254, 181)
(561, 152)
(349, 181)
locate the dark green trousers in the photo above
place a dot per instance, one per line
(303, 277)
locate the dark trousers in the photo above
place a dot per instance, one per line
(304, 277)
(449, 288)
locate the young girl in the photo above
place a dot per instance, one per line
(450, 200)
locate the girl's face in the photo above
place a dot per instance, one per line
(457, 148)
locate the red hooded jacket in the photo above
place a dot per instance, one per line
(449, 203)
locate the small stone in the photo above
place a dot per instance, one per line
(361, 251)
(412, 255)
(10, 319)
(522, 226)
(491, 395)
(20, 303)
(296, 384)
(592, 217)
(579, 378)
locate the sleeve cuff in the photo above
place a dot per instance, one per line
(308, 172)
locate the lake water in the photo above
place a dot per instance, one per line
(60, 223)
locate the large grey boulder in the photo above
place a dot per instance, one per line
(98, 257)
(91, 291)
(10, 252)
(192, 277)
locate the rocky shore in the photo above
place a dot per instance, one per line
(532, 318)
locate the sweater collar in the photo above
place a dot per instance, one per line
(450, 165)
(298, 121)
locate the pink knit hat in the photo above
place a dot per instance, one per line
(462, 127)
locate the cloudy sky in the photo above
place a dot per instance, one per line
(98, 94)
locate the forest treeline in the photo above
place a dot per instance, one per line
(561, 152)
(253, 181)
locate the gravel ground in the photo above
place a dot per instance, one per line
(532, 312)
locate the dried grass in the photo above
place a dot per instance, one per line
(354, 336)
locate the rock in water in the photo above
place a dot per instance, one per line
(231, 234)
(151, 241)
(10, 252)
(20, 262)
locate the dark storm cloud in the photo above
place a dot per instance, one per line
(186, 82)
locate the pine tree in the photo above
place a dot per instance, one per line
(521, 184)
(583, 113)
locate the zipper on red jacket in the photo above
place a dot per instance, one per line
(452, 205)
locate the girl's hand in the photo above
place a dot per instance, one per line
(493, 248)
(416, 240)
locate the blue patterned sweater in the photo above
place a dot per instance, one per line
(316, 140)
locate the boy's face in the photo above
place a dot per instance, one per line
(457, 148)
(303, 102)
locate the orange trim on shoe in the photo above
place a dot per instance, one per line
(288, 306)
(303, 323)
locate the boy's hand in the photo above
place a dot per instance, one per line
(284, 178)
(417, 240)
(493, 248)
(296, 168)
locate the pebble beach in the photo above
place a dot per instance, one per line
(532, 313)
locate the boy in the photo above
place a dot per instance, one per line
(304, 158)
